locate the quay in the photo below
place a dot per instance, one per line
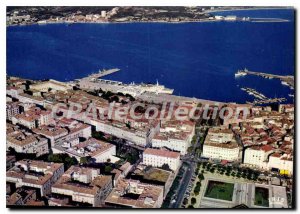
(95, 76)
(103, 73)
(267, 101)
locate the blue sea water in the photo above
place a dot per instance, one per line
(196, 59)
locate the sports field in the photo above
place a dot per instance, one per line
(219, 190)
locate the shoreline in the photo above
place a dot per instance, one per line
(275, 20)
(175, 22)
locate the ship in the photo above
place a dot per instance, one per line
(241, 73)
(284, 83)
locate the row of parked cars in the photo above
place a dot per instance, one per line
(189, 188)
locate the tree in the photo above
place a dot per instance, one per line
(193, 201)
(128, 125)
(185, 201)
(98, 135)
(108, 169)
(166, 166)
(63, 158)
(114, 99)
(201, 177)
(194, 139)
(190, 149)
(197, 188)
(84, 160)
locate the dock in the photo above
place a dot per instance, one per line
(267, 101)
(286, 80)
(103, 73)
(261, 99)
(254, 93)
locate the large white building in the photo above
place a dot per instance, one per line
(140, 136)
(282, 162)
(175, 135)
(159, 157)
(220, 144)
(257, 156)
(221, 151)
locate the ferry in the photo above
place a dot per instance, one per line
(241, 73)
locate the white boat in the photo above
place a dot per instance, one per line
(284, 83)
(241, 73)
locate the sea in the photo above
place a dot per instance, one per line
(196, 59)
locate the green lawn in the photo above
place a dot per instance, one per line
(219, 190)
(261, 197)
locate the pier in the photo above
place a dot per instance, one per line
(255, 93)
(261, 99)
(268, 20)
(103, 73)
(285, 80)
(267, 101)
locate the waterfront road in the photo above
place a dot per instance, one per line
(184, 184)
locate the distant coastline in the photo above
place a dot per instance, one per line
(155, 21)
(208, 16)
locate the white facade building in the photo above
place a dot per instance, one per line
(257, 156)
(220, 144)
(221, 151)
(159, 157)
(284, 163)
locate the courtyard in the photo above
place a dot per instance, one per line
(219, 190)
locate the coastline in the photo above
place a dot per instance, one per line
(159, 22)
(174, 22)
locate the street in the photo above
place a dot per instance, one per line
(184, 184)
